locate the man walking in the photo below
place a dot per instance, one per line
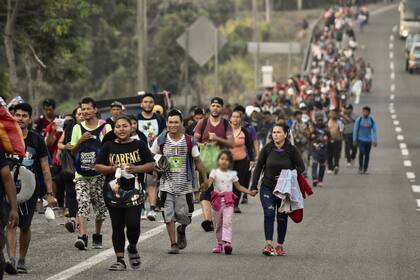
(151, 125)
(36, 160)
(348, 118)
(178, 181)
(86, 140)
(364, 134)
(212, 130)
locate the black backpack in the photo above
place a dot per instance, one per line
(85, 158)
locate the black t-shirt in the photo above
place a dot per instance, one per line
(156, 124)
(117, 154)
(35, 150)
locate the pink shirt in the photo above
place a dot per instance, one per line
(239, 151)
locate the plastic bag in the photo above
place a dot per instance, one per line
(208, 155)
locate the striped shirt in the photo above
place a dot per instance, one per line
(175, 180)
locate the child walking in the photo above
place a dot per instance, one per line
(223, 200)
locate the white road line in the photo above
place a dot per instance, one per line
(407, 163)
(415, 188)
(393, 116)
(94, 260)
(391, 104)
(411, 175)
(391, 55)
(392, 76)
(391, 38)
(391, 46)
(396, 122)
(398, 129)
(418, 204)
(392, 96)
(403, 146)
(392, 111)
(392, 88)
(405, 152)
(400, 137)
(395, 28)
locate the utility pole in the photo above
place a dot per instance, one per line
(141, 34)
(255, 38)
(267, 10)
(299, 4)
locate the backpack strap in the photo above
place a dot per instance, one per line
(161, 140)
(226, 125)
(203, 128)
(189, 141)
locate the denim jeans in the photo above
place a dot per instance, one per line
(270, 204)
(364, 154)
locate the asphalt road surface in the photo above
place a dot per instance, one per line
(356, 227)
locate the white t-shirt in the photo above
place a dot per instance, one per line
(223, 180)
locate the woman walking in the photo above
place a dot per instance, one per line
(124, 161)
(240, 154)
(277, 155)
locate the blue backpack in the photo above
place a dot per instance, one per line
(85, 159)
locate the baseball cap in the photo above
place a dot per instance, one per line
(116, 104)
(217, 100)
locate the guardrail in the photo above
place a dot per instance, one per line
(307, 61)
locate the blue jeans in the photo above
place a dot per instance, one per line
(270, 204)
(364, 154)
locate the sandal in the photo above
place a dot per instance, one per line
(117, 266)
(133, 257)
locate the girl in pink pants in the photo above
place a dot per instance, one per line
(223, 200)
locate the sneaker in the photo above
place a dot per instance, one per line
(244, 200)
(320, 184)
(71, 226)
(207, 225)
(182, 238)
(280, 251)
(269, 251)
(218, 249)
(97, 241)
(348, 164)
(133, 257)
(21, 267)
(330, 172)
(174, 249)
(237, 210)
(81, 242)
(10, 267)
(315, 183)
(336, 169)
(360, 171)
(151, 215)
(365, 172)
(228, 248)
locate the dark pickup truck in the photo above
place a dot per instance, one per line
(132, 104)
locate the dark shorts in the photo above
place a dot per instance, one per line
(206, 195)
(26, 211)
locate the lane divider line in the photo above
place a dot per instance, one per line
(407, 163)
(403, 146)
(405, 152)
(103, 256)
(400, 137)
(415, 188)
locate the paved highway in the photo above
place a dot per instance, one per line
(357, 227)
